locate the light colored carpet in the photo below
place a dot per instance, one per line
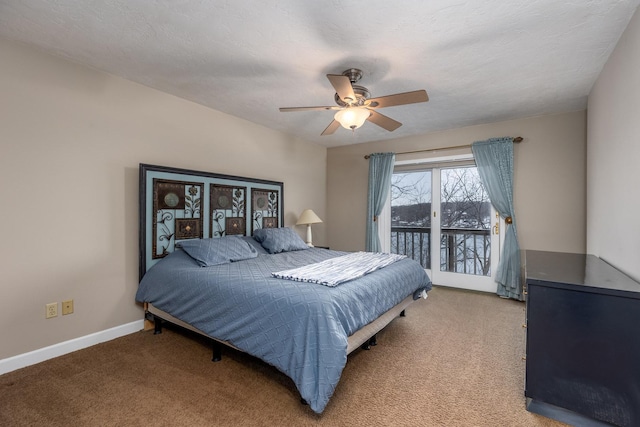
(454, 360)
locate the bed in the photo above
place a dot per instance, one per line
(304, 329)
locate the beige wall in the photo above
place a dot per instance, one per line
(71, 140)
(549, 178)
(613, 181)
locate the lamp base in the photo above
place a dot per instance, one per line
(309, 241)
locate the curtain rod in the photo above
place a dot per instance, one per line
(517, 139)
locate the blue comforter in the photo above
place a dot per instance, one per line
(300, 328)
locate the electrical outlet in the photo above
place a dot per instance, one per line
(67, 307)
(51, 310)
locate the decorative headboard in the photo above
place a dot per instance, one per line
(179, 204)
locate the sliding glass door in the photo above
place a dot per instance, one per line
(442, 218)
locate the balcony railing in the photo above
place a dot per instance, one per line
(414, 242)
(462, 250)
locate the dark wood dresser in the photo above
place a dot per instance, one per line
(583, 340)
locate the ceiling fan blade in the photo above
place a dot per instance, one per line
(333, 126)
(399, 99)
(289, 109)
(343, 87)
(383, 121)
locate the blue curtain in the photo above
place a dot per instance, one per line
(494, 158)
(380, 171)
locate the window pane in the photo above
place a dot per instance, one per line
(411, 215)
(465, 242)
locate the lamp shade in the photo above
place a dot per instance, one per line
(352, 117)
(308, 217)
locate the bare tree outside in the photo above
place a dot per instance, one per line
(411, 187)
(465, 219)
(465, 222)
(411, 215)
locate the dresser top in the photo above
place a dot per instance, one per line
(579, 272)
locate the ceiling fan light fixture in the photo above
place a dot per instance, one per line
(355, 104)
(352, 117)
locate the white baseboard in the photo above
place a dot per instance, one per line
(46, 353)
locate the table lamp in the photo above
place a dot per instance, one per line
(307, 218)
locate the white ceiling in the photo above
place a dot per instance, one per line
(479, 61)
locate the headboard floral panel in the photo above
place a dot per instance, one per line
(180, 204)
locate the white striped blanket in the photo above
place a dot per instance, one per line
(334, 271)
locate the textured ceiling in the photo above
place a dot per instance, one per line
(479, 61)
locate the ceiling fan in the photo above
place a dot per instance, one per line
(355, 104)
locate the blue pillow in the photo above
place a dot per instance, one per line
(254, 244)
(276, 240)
(222, 250)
